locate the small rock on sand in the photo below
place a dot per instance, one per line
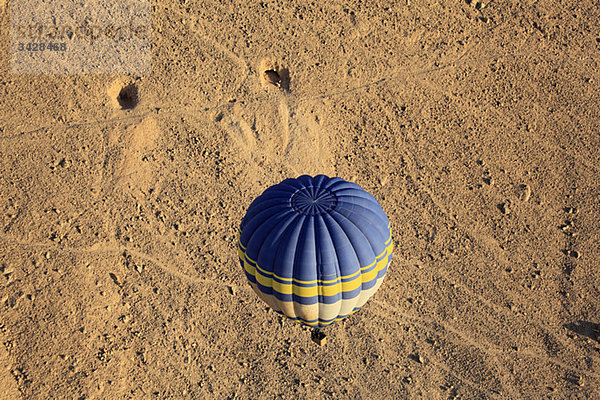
(504, 207)
(524, 192)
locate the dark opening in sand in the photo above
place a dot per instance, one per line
(128, 97)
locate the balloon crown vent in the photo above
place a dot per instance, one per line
(313, 200)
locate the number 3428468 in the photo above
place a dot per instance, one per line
(42, 46)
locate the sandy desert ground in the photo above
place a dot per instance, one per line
(477, 129)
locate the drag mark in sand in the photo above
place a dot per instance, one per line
(271, 133)
(102, 249)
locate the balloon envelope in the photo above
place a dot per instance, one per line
(315, 248)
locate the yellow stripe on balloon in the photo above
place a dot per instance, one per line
(264, 278)
(302, 291)
(384, 253)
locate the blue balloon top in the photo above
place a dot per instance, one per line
(314, 229)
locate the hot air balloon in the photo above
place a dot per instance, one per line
(315, 249)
